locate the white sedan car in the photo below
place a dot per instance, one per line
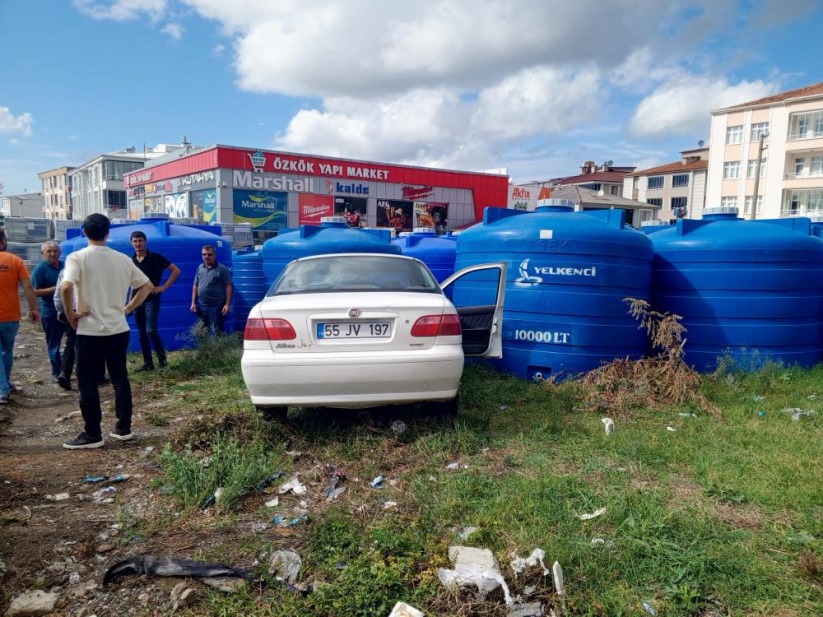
(362, 329)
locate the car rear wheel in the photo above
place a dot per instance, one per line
(277, 413)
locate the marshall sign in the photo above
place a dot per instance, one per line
(248, 180)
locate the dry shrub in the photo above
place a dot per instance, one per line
(662, 379)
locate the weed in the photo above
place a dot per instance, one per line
(234, 468)
(206, 355)
(663, 379)
(156, 419)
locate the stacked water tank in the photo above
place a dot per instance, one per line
(747, 289)
(438, 252)
(569, 275)
(181, 245)
(333, 235)
(249, 283)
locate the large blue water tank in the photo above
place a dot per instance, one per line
(181, 245)
(249, 283)
(569, 273)
(438, 252)
(748, 289)
(650, 227)
(333, 235)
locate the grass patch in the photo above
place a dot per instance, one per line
(712, 507)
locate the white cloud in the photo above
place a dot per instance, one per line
(174, 30)
(684, 104)
(9, 123)
(471, 85)
(122, 10)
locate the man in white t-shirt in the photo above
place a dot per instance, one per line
(98, 279)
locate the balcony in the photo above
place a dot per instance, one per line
(808, 142)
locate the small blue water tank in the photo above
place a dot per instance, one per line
(181, 245)
(438, 252)
(249, 283)
(333, 235)
(569, 273)
(749, 289)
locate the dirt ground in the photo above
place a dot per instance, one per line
(66, 545)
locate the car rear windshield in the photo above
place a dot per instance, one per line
(354, 273)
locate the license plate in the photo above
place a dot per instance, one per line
(359, 329)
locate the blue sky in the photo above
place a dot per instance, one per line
(535, 86)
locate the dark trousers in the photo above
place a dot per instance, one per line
(145, 316)
(212, 318)
(67, 364)
(54, 336)
(94, 355)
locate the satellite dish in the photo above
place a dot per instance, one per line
(701, 143)
(600, 193)
(609, 163)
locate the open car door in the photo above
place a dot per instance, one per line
(482, 324)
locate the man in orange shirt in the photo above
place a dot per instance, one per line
(13, 272)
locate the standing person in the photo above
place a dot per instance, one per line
(146, 315)
(67, 363)
(98, 279)
(44, 281)
(13, 272)
(212, 290)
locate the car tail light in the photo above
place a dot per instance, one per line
(268, 329)
(437, 325)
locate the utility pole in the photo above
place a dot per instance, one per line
(760, 149)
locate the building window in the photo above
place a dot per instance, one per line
(759, 129)
(747, 207)
(679, 205)
(728, 202)
(750, 172)
(799, 167)
(592, 186)
(731, 170)
(816, 168)
(655, 201)
(680, 180)
(655, 182)
(806, 125)
(802, 201)
(734, 134)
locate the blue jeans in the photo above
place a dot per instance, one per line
(145, 316)
(54, 336)
(8, 332)
(94, 355)
(212, 318)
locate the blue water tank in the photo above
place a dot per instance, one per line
(181, 245)
(650, 227)
(749, 289)
(438, 252)
(333, 235)
(569, 273)
(249, 283)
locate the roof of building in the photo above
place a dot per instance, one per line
(672, 168)
(781, 97)
(596, 176)
(592, 199)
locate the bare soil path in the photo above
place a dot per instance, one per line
(59, 533)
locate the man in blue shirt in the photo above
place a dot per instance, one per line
(212, 290)
(44, 281)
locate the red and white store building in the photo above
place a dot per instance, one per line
(274, 190)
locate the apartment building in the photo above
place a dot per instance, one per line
(97, 186)
(768, 154)
(57, 193)
(678, 189)
(27, 205)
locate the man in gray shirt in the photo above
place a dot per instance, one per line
(212, 292)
